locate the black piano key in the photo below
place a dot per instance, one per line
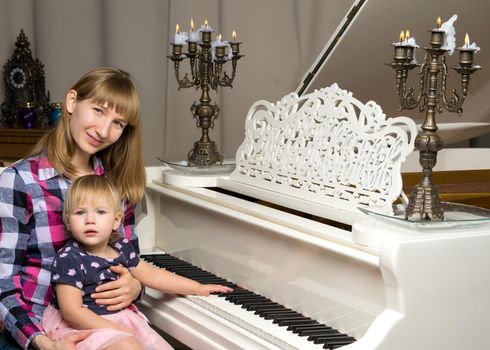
(311, 326)
(328, 340)
(317, 331)
(272, 314)
(257, 300)
(231, 298)
(285, 315)
(238, 291)
(182, 267)
(259, 305)
(245, 304)
(290, 318)
(337, 344)
(292, 322)
(244, 298)
(258, 309)
(262, 312)
(324, 334)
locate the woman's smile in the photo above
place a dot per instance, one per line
(94, 141)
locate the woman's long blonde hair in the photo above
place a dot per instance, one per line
(123, 161)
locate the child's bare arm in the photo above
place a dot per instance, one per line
(78, 316)
(169, 282)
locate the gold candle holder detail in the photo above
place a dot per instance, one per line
(424, 201)
(206, 74)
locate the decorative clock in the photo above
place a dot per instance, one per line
(24, 86)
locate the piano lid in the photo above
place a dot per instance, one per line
(356, 52)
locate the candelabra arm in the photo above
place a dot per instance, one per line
(455, 103)
(194, 70)
(183, 83)
(407, 98)
(228, 80)
(216, 73)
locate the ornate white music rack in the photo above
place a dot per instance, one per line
(326, 147)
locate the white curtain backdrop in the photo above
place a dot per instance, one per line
(280, 39)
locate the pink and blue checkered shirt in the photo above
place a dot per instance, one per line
(32, 194)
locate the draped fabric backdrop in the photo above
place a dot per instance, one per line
(280, 39)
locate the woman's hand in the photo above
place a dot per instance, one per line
(206, 289)
(120, 293)
(42, 342)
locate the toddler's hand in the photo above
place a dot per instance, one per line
(206, 289)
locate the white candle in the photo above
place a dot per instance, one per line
(471, 46)
(178, 37)
(206, 27)
(193, 36)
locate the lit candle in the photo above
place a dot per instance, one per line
(179, 38)
(466, 52)
(235, 45)
(206, 27)
(400, 53)
(411, 45)
(193, 36)
(466, 41)
(177, 34)
(219, 47)
(471, 46)
(177, 44)
(437, 36)
(206, 31)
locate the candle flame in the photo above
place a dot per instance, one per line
(402, 36)
(218, 38)
(438, 22)
(466, 39)
(192, 25)
(206, 23)
(407, 34)
(233, 36)
(177, 29)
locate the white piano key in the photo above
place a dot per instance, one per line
(255, 324)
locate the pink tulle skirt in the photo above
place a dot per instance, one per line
(101, 338)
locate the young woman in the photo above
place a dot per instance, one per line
(92, 213)
(98, 133)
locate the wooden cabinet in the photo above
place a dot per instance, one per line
(470, 187)
(17, 143)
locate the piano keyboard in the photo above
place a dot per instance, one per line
(259, 315)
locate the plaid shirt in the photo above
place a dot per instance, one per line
(32, 194)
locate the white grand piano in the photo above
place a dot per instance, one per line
(286, 229)
(312, 270)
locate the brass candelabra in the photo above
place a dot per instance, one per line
(206, 68)
(424, 201)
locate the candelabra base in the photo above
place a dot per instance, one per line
(426, 203)
(204, 154)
